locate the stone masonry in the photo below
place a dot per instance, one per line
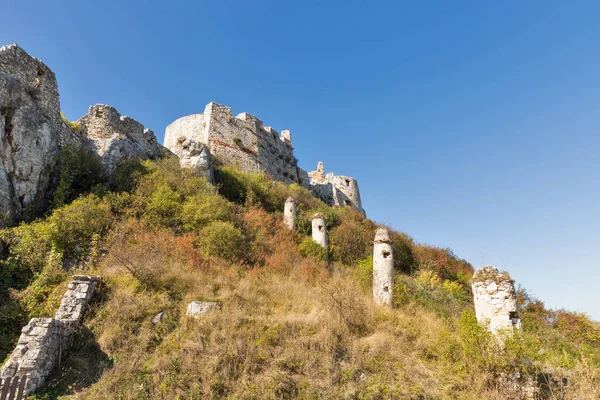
(43, 340)
(244, 141)
(495, 300)
(241, 140)
(116, 138)
(341, 191)
(383, 268)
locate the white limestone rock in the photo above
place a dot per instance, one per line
(197, 308)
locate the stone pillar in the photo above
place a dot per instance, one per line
(289, 214)
(383, 268)
(319, 229)
(495, 300)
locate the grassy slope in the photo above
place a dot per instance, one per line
(291, 326)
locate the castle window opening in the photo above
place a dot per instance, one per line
(99, 113)
(385, 254)
(347, 182)
(320, 228)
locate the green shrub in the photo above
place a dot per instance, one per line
(309, 248)
(73, 227)
(127, 174)
(403, 257)
(352, 240)
(222, 239)
(163, 207)
(249, 188)
(364, 273)
(202, 209)
(79, 171)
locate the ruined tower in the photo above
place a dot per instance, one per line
(289, 214)
(335, 190)
(319, 229)
(383, 268)
(495, 300)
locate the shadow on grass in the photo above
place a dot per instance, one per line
(83, 365)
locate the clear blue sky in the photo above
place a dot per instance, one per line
(470, 125)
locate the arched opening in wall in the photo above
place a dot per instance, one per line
(347, 182)
(347, 203)
(386, 254)
(99, 113)
(320, 228)
(514, 317)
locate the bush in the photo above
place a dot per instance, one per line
(163, 207)
(222, 239)
(364, 273)
(127, 174)
(249, 188)
(79, 171)
(73, 227)
(309, 248)
(202, 209)
(352, 240)
(76, 126)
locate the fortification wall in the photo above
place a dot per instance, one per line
(43, 340)
(335, 190)
(116, 138)
(240, 140)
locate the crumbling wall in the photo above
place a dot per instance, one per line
(117, 138)
(335, 190)
(241, 140)
(495, 300)
(44, 340)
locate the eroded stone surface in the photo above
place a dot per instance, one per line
(240, 140)
(340, 191)
(44, 340)
(31, 130)
(197, 308)
(290, 210)
(495, 300)
(116, 138)
(319, 229)
(383, 268)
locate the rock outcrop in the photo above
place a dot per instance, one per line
(117, 138)
(31, 130)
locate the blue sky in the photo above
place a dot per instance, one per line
(472, 125)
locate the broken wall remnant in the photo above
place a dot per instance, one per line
(319, 230)
(241, 140)
(44, 340)
(335, 190)
(289, 213)
(117, 138)
(495, 300)
(383, 268)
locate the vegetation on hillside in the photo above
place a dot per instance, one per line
(292, 325)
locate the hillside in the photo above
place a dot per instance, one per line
(291, 325)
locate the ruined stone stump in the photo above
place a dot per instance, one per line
(495, 300)
(383, 268)
(289, 213)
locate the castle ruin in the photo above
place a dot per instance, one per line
(495, 300)
(244, 141)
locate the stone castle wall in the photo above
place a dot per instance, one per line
(117, 138)
(240, 140)
(336, 190)
(44, 340)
